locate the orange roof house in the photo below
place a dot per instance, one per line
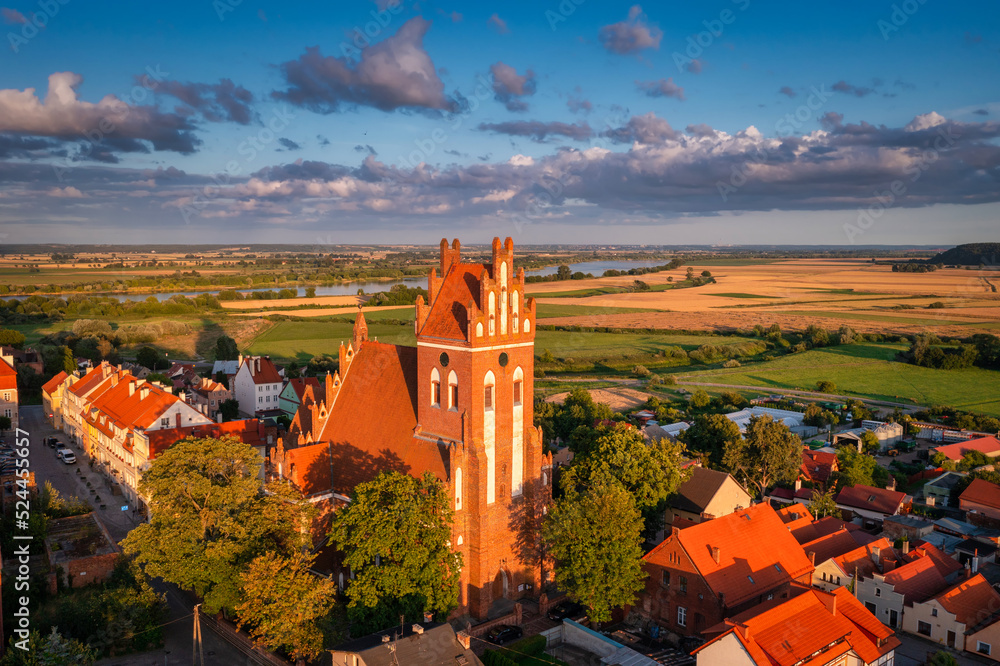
(870, 502)
(981, 498)
(817, 466)
(53, 384)
(700, 574)
(950, 617)
(812, 629)
(459, 406)
(988, 445)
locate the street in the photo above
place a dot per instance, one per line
(177, 634)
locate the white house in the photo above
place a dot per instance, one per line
(257, 385)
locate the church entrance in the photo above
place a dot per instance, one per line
(501, 585)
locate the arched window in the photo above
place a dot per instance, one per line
(435, 388)
(452, 390)
(458, 489)
(489, 389)
(493, 314)
(527, 326)
(503, 310)
(503, 274)
(493, 324)
(340, 581)
(514, 304)
(479, 330)
(518, 385)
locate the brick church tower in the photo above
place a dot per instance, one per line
(475, 364)
(459, 405)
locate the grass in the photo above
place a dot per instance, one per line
(546, 310)
(300, 340)
(868, 370)
(742, 295)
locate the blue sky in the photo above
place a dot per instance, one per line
(734, 121)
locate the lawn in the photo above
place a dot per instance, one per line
(546, 310)
(867, 370)
(609, 346)
(300, 340)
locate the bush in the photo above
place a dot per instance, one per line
(641, 371)
(731, 363)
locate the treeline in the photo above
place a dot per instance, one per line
(564, 272)
(912, 267)
(32, 308)
(928, 351)
(400, 294)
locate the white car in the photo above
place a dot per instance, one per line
(68, 457)
(62, 451)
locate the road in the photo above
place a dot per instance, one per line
(177, 635)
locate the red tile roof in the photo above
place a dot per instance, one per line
(820, 528)
(448, 317)
(831, 545)
(756, 553)
(988, 445)
(53, 384)
(299, 385)
(250, 431)
(817, 465)
(861, 559)
(916, 581)
(263, 370)
(879, 500)
(795, 516)
(309, 468)
(812, 628)
(8, 375)
(372, 422)
(982, 492)
(971, 601)
(90, 380)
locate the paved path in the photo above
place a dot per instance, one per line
(177, 635)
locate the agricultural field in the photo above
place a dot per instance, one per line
(865, 370)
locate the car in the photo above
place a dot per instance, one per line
(503, 633)
(54, 443)
(565, 609)
(68, 457)
(61, 451)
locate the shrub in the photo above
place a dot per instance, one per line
(641, 371)
(731, 363)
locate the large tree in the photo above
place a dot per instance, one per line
(767, 454)
(396, 538)
(226, 349)
(211, 517)
(710, 434)
(595, 539)
(283, 603)
(650, 472)
(859, 469)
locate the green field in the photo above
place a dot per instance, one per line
(610, 346)
(300, 340)
(868, 370)
(742, 295)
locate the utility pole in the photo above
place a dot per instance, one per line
(197, 649)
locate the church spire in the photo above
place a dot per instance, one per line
(360, 330)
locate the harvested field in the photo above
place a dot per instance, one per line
(619, 399)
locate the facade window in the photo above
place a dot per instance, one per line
(682, 616)
(435, 394)
(683, 585)
(488, 397)
(878, 592)
(838, 580)
(8, 413)
(666, 578)
(452, 390)
(260, 400)
(934, 612)
(923, 628)
(824, 576)
(6, 396)
(517, 393)
(982, 648)
(164, 422)
(458, 489)
(871, 606)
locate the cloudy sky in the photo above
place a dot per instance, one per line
(733, 121)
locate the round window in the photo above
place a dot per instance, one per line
(503, 359)
(444, 359)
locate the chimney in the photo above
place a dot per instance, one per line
(144, 392)
(716, 554)
(131, 389)
(114, 380)
(875, 553)
(418, 629)
(798, 485)
(428, 616)
(239, 360)
(812, 557)
(906, 546)
(464, 639)
(892, 483)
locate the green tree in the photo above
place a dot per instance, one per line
(310, 292)
(51, 650)
(826, 386)
(5, 423)
(395, 535)
(230, 409)
(650, 472)
(973, 459)
(823, 504)
(767, 454)
(226, 349)
(211, 518)
(859, 469)
(870, 443)
(12, 338)
(942, 658)
(564, 272)
(700, 399)
(222, 378)
(151, 358)
(283, 603)
(595, 539)
(710, 435)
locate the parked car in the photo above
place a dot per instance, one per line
(503, 633)
(61, 451)
(54, 443)
(68, 457)
(565, 609)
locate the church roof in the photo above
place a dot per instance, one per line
(449, 313)
(373, 419)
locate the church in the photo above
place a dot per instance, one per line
(459, 405)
